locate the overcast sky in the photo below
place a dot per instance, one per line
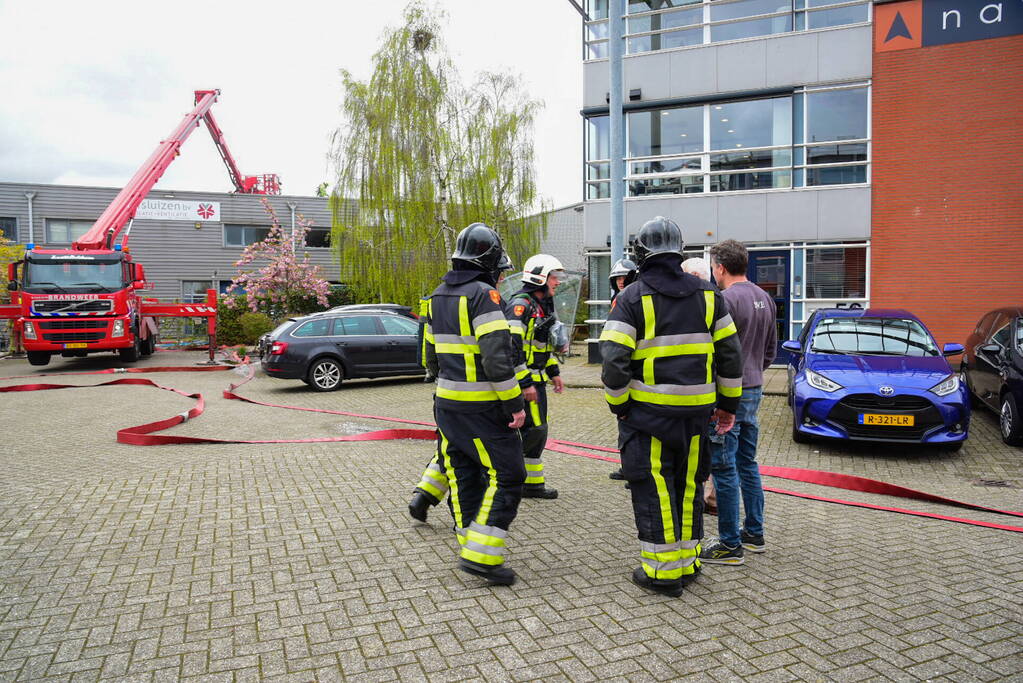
(90, 88)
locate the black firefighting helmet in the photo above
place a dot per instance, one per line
(624, 267)
(658, 236)
(505, 262)
(480, 245)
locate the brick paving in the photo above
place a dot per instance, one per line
(298, 562)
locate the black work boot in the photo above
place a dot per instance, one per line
(617, 475)
(420, 505)
(672, 589)
(498, 575)
(541, 491)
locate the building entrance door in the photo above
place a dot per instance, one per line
(770, 271)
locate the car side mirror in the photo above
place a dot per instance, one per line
(792, 346)
(952, 349)
(12, 286)
(993, 349)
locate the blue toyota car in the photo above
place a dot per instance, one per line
(875, 375)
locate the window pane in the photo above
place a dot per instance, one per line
(751, 29)
(839, 175)
(656, 22)
(666, 131)
(836, 115)
(596, 50)
(598, 171)
(748, 8)
(597, 9)
(693, 36)
(79, 228)
(837, 17)
(233, 236)
(194, 291)
(755, 123)
(359, 324)
(636, 6)
(746, 159)
(9, 229)
(1019, 335)
(596, 31)
(666, 166)
(317, 238)
(836, 154)
(56, 232)
(836, 273)
(598, 138)
(750, 181)
(598, 190)
(396, 325)
(313, 328)
(677, 185)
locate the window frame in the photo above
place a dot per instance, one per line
(243, 226)
(187, 297)
(47, 222)
(14, 227)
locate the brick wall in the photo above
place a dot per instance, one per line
(947, 182)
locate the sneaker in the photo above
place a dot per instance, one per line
(545, 492)
(717, 552)
(497, 575)
(617, 475)
(754, 544)
(672, 589)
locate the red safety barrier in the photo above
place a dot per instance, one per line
(143, 435)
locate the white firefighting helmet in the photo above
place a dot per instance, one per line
(538, 267)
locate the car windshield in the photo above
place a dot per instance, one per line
(873, 337)
(74, 274)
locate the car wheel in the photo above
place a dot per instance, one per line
(1010, 422)
(326, 375)
(798, 436)
(38, 357)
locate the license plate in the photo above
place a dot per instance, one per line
(886, 420)
(76, 345)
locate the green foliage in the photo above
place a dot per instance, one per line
(253, 326)
(420, 156)
(229, 329)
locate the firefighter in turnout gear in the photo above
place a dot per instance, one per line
(477, 404)
(433, 484)
(531, 316)
(670, 352)
(623, 273)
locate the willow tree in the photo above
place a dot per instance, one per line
(419, 156)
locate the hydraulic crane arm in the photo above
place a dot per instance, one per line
(116, 217)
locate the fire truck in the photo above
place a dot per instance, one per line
(88, 298)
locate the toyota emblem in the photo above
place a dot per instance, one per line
(886, 390)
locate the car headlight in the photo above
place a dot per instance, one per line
(118, 330)
(30, 330)
(821, 382)
(947, 386)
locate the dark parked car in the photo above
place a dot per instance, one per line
(992, 368)
(393, 308)
(325, 348)
(874, 375)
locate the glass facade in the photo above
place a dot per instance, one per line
(653, 25)
(815, 136)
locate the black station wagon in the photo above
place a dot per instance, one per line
(324, 349)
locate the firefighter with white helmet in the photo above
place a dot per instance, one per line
(531, 315)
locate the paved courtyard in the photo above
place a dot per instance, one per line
(298, 561)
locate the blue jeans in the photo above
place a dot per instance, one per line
(733, 462)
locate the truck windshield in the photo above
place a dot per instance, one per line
(79, 275)
(872, 337)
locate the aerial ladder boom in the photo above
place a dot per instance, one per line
(117, 216)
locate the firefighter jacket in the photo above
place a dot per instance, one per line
(670, 346)
(531, 322)
(468, 346)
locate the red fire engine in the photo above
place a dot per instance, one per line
(87, 299)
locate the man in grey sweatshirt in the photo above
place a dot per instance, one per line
(734, 454)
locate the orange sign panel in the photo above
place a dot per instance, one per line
(898, 25)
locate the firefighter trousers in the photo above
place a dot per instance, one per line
(534, 436)
(666, 463)
(434, 481)
(482, 458)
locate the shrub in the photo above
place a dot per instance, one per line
(253, 326)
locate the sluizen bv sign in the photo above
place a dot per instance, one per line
(921, 23)
(178, 210)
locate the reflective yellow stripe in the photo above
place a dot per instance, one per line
(730, 392)
(492, 326)
(725, 332)
(708, 295)
(509, 394)
(616, 400)
(534, 411)
(649, 332)
(667, 521)
(484, 539)
(522, 374)
(651, 352)
(465, 330)
(686, 532)
(671, 399)
(618, 338)
(460, 349)
(551, 361)
(456, 507)
(455, 395)
(483, 516)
